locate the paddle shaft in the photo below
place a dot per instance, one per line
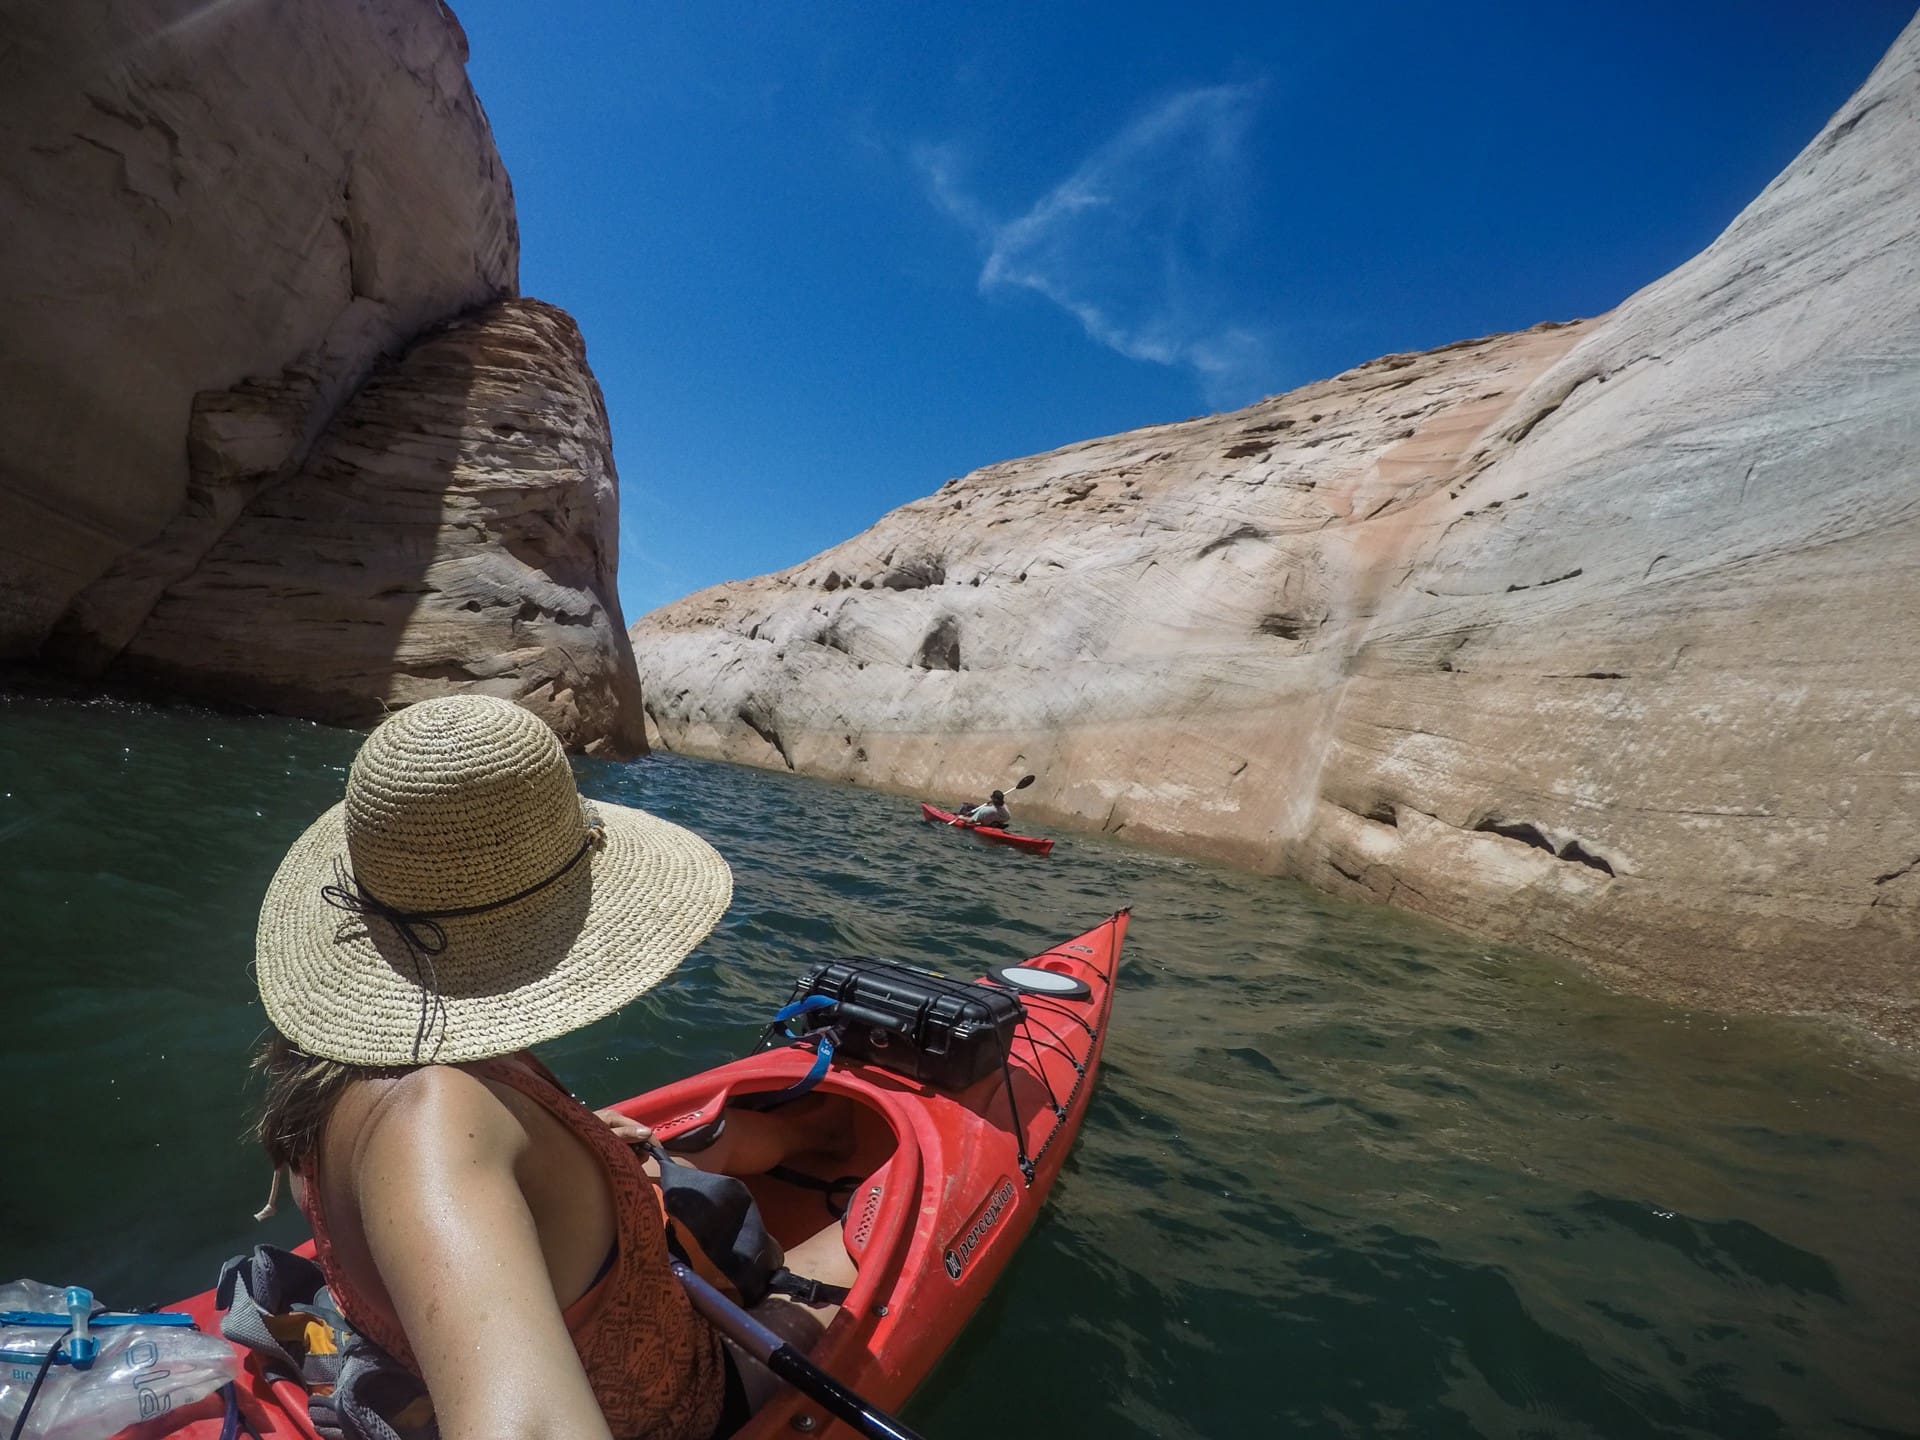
(786, 1362)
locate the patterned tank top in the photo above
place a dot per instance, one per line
(655, 1365)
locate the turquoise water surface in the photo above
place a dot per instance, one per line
(1345, 1174)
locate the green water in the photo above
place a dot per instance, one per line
(1345, 1174)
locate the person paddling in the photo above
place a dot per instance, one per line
(994, 814)
(473, 1219)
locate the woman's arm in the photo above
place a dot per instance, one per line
(456, 1247)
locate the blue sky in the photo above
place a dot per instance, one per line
(828, 256)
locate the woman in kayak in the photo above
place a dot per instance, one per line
(490, 1232)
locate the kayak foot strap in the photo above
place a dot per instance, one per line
(836, 1193)
(807, 1291)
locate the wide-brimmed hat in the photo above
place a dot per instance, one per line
(463, 901)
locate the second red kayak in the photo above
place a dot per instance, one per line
(1031, 843)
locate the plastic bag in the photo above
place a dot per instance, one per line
(139, 1372)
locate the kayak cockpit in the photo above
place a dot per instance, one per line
(833, 1189)
(833, 1174)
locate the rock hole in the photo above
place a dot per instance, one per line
(1580, 855)
(940, 650)
(916, 574)
(1527, 833)
(1517, 830)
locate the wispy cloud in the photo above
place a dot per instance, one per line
(1132, 243)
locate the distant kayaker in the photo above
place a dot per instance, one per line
(994, 814)
(473, 1219)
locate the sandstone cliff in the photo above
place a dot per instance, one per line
(1596, 637)
(220, 219)
(454, 529)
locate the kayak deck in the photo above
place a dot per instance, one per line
(948, 1184)
(1033, 844)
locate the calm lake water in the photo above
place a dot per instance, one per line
(1345, 1174)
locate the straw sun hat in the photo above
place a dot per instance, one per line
(464, 901)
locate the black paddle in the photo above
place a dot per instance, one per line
(788, 1363)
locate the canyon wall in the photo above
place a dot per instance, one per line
(222, 220)
(454, 528)
(1596, 638)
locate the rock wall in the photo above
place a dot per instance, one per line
(455, 528)
(197, 194)
(1595, 638)
(221, 220)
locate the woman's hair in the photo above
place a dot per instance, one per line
(300, 1093)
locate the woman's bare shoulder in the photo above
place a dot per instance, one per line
(427, 1117)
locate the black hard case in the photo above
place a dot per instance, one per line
(941, 1032)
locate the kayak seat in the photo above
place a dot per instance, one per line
(811, 1190)
(822, 1202)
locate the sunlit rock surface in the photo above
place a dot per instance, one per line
(1598, 638)
(455, 528)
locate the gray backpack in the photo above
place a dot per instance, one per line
(358, 1392)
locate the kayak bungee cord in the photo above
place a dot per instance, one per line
(1029, 1164)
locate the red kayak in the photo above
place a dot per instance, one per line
(951, 1181)
(1031, 843)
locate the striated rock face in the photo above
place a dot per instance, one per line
(1597, 638)
(221, 218)
(454, 528)
(197, 194)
